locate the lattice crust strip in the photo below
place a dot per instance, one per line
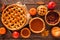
(14, 17)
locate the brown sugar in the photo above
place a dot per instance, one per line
(37, 25)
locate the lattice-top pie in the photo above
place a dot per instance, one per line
(14, 17)
(42, 10)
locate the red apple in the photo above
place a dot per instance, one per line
(15, 34)
(51, 5)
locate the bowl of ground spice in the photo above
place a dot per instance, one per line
(52, 17)
(37, 25)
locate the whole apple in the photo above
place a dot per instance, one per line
(51, 5)
(15, 34)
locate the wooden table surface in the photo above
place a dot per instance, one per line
(29, 4)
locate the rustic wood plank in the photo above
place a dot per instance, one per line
(28, 1)
(31, 3)
(57, 1)
(58, 7)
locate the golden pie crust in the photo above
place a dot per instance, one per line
(14, 17)
(37, 29)
(42, 10)
(53, 24)
(25, 33)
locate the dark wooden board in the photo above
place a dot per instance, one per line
(29, 4)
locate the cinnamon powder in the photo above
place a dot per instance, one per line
(36, 25)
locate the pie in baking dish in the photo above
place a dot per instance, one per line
(14, 17)
(25, 33)
(42, 10)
